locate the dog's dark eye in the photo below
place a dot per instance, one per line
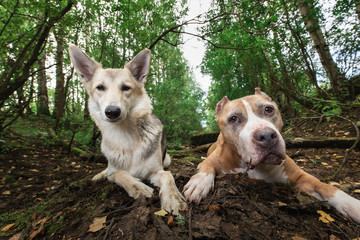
(100, 88)
(269, 110)
(233, 119)
(125, 88)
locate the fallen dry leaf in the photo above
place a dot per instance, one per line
(98, 223)
(324, 163)
(7, 192)
(7, 227)
(162, 212)
(39, 230)
(213, 208)
(170, 221)
(16, 236)
(281, 204)
(298, 238)
(333, 237)
(325, 218)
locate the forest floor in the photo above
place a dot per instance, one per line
(47, 193)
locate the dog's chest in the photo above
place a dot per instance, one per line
(127, 148)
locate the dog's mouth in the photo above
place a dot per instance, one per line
(113, 120)
(269, 158)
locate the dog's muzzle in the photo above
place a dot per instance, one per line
(269, 146)
(266, 138)
(112, 113)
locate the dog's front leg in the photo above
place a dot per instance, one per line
(201, 183)
(100, 176)
(133, 186)
(344, 203)
(171, 198)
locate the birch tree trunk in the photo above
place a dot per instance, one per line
(336, 77)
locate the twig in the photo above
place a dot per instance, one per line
(339, 228)
(251, 202)
(276, 221)
(117, 210)
(212, 198)
(349, 150)
(190, 230)
(109, 228)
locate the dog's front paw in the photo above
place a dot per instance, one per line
(100, 176)
(347, 205)
(173, 202)
(139, 189)
(199, 187)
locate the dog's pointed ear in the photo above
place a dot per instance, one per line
(139, 65)
(84, 65)
(220, 105)
(258, 91)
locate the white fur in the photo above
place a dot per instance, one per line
(269, 173)
(169, 193)
(199, 186)
(345, 204)
(167, 161)
(245, 145)
(131, 141)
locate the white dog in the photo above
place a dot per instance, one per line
(132, 136)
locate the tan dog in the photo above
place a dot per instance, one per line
(132, 136)
(250, 138)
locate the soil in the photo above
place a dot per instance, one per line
(47, 193)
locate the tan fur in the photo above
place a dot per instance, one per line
(237, 147)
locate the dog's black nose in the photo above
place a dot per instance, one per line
(266, 138)
(112, 112)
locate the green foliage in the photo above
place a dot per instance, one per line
(111, 33)
(330, 108)
(180, 220)
(267, 45)
(4, 148)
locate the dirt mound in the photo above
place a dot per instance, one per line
(47, 193)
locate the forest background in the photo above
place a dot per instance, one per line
(303, 53)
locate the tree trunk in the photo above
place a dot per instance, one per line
(19, 72)
(60, 80)
(357, 8)
(309, 66)
(43, 99)
(306, 9)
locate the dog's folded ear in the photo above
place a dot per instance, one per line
(84, 65)
(139, 66)
(258, 91)
(220, 105)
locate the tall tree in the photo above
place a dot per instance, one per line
(21, 52)
(308, 12)
(42, 92)
(60, 97)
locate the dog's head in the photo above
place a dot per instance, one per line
(114, 92)
(252, 126)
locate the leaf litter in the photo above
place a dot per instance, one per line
(57, 202)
